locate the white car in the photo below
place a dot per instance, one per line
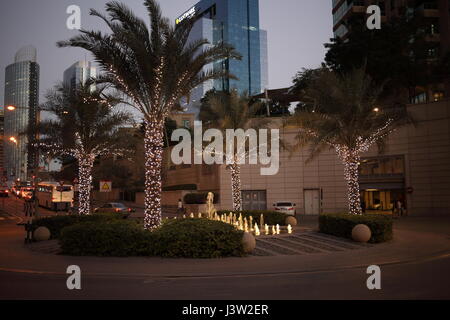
(285, 207)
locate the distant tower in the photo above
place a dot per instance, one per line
(2, 138)
(79, 72)
(22, 92)
(235, 22)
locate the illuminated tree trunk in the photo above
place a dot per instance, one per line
(351, 165)
(236, 186)
(153, 144)
(85, 165)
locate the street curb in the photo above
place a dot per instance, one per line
(437, 256)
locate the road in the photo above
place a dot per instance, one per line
(422, 279)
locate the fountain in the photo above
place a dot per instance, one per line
(210, 209)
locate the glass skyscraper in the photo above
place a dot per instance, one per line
(79, 72)
(22, 92)
(235, 22)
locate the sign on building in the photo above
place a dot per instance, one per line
(105, 186)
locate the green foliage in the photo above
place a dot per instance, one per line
(57, 223)
(270, 217)
(186, 238)
(341, 225)
(398, 53)
(344, 116)
(197, 238)
(199, 198)
(106, 238)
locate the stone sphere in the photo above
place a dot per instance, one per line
(248, 242)
(291, 220)
(361, 233)
(41, 234)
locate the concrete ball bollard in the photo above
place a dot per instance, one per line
(248, 242)
(41, 234)
(291, 220)
(361, 233)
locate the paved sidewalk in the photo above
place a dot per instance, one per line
(411, 244)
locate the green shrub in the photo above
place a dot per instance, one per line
(341, 225)
(184, 238)
(56, 223)
(199, 198)
(116, 238)
(197, 238)
(270, 217)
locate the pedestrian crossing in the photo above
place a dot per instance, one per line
(303, 243)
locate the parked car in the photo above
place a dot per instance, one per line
(4, 191)
(114, 207)
(26, 192)
(285, 207)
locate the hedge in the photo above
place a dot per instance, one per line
(56, 223)
(270, 217)
(341, 225)
(184, 238)
(199, 198)
(197, 238)
(115, 238)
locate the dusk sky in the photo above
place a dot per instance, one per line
(297, 30)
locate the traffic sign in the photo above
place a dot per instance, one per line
(105, 186)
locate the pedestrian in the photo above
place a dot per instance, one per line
(399, 206)
(363, 206)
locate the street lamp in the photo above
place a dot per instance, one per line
(13, 139)
(11, 108)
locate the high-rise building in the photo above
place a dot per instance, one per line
(22, 93)
(2, 138)
(436, 14)
(264, 60)
(235, 22)
(79, 72)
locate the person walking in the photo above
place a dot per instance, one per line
(399, 206)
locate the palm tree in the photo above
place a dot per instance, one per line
(344, 112)
(223, 111)
(154, 67)
(84, 125)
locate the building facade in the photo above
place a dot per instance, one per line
(78, 73)
(21, 92)
(414, 168)
(235, 22)
(3, 174)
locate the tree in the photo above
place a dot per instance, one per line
(344, 113)
(222, 111)
(83, 125)
(301, 82)
(154, 67)
(397, 53)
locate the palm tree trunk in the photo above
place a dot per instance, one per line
(85, 165)
(153, 144)
(351, 165)
(236, 186)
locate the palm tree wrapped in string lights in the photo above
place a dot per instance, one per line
(155, 67)
(84, 125)
(344, 112)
